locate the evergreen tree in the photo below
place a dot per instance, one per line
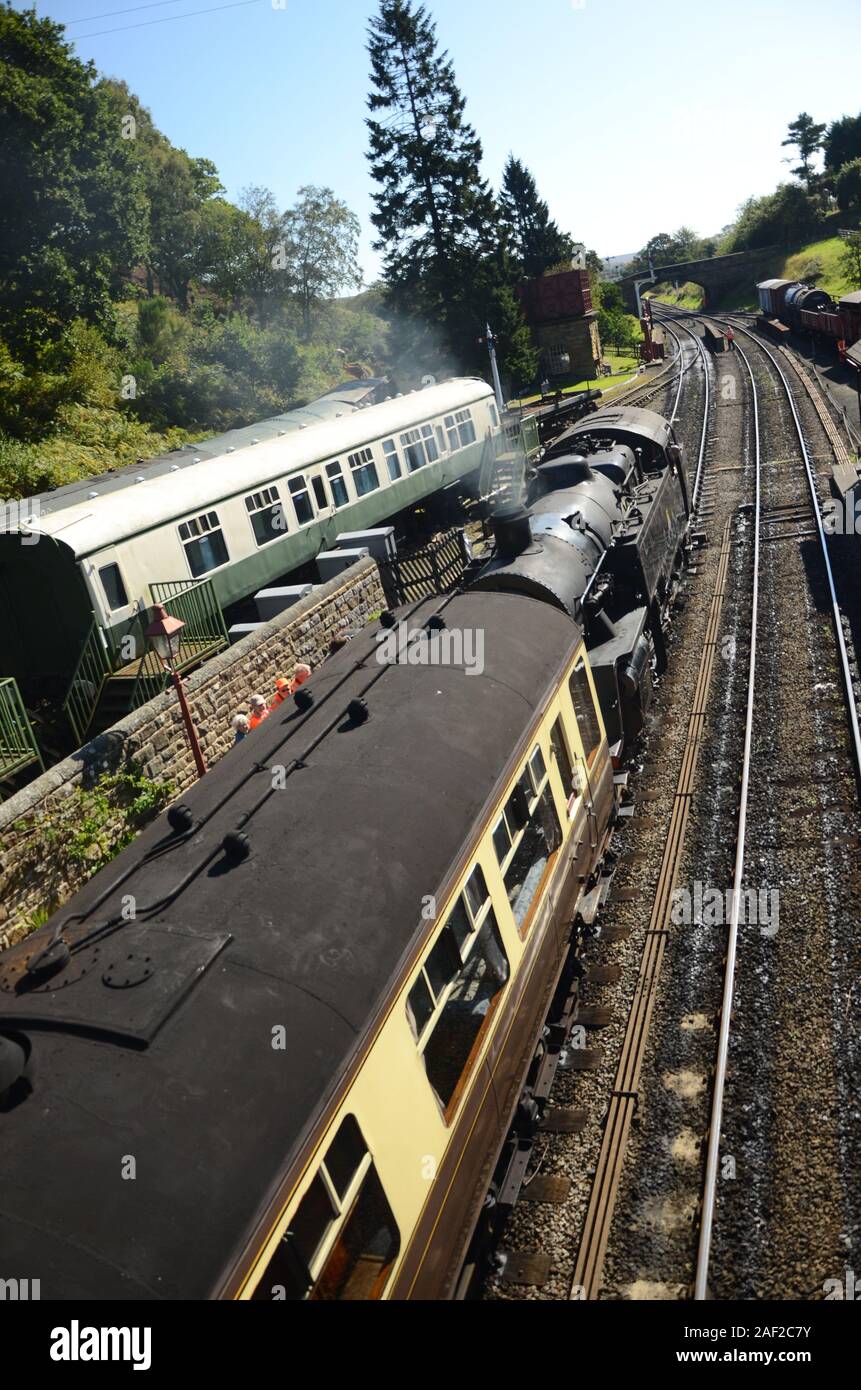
(436, 217)
(535, 241)
(805, 135)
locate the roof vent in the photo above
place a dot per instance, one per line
(139, 479)
(388, 620)
(174, 468)
(436, 623)
(303, 700)
(231, 449)
(92, 494)
(236, 846)
(358, 712)
(180, 818)
(255, 441)
(197, 460)
(281, 434)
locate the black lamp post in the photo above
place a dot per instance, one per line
(163, 632)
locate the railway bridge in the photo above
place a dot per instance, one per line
(715, 275)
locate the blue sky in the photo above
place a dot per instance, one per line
(586, 92)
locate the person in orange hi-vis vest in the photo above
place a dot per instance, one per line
(259, 712)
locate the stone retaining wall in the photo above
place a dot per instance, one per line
(36, 871)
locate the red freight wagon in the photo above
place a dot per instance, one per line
(850, 309)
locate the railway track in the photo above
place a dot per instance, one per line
(697, 1142)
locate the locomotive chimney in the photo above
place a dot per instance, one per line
(512, 531)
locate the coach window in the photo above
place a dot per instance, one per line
(115, 589)
(393, 462)
(343, 1239)
(267, 515)
(527, 837)
(570, 781)
(301, 500)
(364, 472)
(494, 414)
(320, 492)
(430, 443)
(441, 441)
(584, 708)
(414, 453)
(205, 546)
(454, 997)
(337, 484)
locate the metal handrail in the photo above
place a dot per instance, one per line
(93, 667)
(18, 745)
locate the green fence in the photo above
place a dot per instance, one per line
(204, 634)
(195, 604)
(18, 746)
(95, 664)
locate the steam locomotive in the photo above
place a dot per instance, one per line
(276, 1048)
(789, 304)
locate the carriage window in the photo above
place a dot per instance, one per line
(430, 443)
(460, 429)
(584, 708)
(393, 463)
(494, 414)
(451, 431)
(469, 1002)
(337, 484)
(563, 759)
(205, 546)
(414, 453)
(540, 840)
(346, 1198)
(364, 471)
(320, 492)
(441, 439)
(115, 589)
(301, 500)
(267, 515)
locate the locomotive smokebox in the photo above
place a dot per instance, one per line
(512, 531)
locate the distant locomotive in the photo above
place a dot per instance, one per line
(313, 1028)
(789, 304)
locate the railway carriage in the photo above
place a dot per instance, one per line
(310, 1035)
(79, 564)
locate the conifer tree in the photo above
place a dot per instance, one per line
(534, 240)
(436, 217)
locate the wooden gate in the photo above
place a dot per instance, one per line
(435, 569)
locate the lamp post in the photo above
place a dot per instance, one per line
(163, 632)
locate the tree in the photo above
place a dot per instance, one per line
(321, 243)
(849, 186)
(785, 217)
(806, 136)
(73, 214)
(851, 258)
(535, 242)
(435, 215)
(842, 143)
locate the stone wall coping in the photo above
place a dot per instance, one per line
(28, 798)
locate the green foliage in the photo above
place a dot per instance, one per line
(848, 186)
(805, 135)
(842, 143)
(784, 217)
(437, 220)
(92, 825)
(73, 219)
(851, 259)
(535, 242)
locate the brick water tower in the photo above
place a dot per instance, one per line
(558, 309)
